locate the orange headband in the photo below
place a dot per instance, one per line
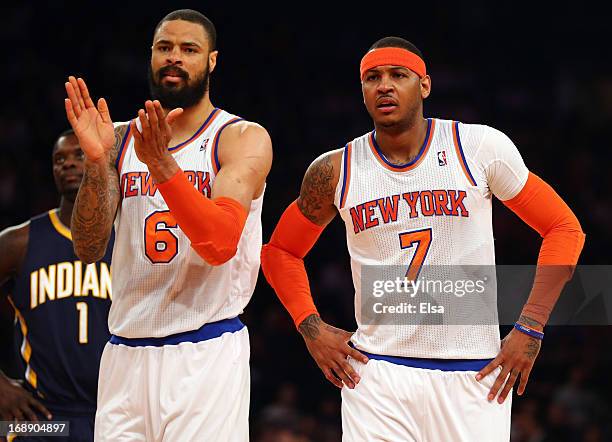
(394, 57)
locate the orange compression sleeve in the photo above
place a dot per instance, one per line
(214, 226)
(282, 262)
(538, 205)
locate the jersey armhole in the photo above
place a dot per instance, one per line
(26, 247)
(214, 152)
(345, 175)
(122, 149)
(461, 155)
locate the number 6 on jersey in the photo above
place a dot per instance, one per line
(161, 245)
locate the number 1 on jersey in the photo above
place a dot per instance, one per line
(422, 239)
(82, 308)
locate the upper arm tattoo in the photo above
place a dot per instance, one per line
(318, 189)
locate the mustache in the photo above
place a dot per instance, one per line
(172, 70)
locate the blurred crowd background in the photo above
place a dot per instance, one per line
(543, 76)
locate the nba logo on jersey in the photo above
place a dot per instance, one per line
(442, 158)
(204, 145)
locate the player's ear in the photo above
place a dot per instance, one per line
(212, 61)
(425, 86)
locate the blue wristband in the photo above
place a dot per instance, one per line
(529, 331)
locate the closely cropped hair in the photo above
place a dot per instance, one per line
(62, 135)
(396, 42)
(66, 133)
(193, 16)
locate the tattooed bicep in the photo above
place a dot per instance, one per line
(316, 199)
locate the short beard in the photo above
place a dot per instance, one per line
(173, 97)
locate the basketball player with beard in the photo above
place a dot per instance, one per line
(183, 183)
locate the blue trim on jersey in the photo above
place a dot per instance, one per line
(462, 155)
(345, 172)
(215, 147)
(410, 163)
(197, 132)
(125, 137)
(433, 364)
(204, 333)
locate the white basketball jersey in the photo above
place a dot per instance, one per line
(433, 211)
(161, 286)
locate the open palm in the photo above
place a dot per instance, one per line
(92, 125)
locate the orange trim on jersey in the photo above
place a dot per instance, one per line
(59, 226)
(214, 156)
(26, 348)
(347, 174)
(123, 149)
(460, 156)
(213, 115)
(412, 164)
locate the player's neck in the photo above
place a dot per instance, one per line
(65, 211)
(402, 145)
(190, 120)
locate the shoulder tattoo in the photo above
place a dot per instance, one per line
(318, 188)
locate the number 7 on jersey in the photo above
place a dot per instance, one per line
(421, 239)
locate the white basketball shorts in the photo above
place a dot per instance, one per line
(423, 400)
(192, 386)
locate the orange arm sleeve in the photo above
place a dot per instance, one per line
(214, 226)
(538, 205)
(282, 262)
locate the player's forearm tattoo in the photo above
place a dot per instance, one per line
(526, 320)
(318, 189)
(95, 205)
(309, 327)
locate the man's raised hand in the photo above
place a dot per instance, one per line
(152, 138)
(92, 125)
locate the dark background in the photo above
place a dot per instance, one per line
(543, 76)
